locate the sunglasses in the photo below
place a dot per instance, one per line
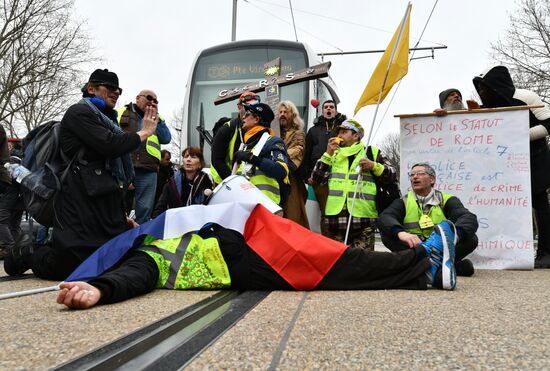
(150, 98)
(249, 113)
(112, 88)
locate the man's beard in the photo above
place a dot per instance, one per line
(283, 122)
(454, 106)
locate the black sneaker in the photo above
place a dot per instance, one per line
(17, 260)
(464, 268)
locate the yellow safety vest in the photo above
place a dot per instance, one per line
(228, 157)
(152, 144)
(188, 262)
(268, 185)
(414, 212)
(341, 187)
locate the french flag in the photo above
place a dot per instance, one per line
(300, 256)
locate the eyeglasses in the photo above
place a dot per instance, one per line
(419, 173)
(150, 98)
(112, 88)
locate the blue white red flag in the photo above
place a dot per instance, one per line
(170, 224)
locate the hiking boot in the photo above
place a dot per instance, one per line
(440, 249)
(18, 258)
(542, 262)
(464, 268)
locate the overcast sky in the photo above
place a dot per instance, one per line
(153, 44)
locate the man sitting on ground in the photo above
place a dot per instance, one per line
(410, 220)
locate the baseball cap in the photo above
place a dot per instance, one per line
(263, 111)
(352, 125)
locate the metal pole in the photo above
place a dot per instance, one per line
(234, 22)
(17, 294)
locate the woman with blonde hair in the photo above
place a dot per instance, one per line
(294, 137)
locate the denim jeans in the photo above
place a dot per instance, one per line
(145, 183)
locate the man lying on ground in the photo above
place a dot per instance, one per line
(220, 258)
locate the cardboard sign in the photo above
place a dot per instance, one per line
(482, 157)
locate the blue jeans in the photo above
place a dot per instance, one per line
(145, 183)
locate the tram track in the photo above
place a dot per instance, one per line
(174, 341)
(16, 278)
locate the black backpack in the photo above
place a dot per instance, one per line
(49, 167)
(385, 193)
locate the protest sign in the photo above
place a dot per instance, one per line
(482, 157)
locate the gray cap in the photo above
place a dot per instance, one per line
(445, 93)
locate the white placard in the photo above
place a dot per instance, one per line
(483, 159)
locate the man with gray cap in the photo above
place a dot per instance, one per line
(410, 220)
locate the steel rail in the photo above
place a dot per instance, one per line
(174, 341)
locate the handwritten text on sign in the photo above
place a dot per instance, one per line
(483, 159)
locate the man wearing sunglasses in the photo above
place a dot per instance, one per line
(147, 157)
(228, 139)
(408, 221)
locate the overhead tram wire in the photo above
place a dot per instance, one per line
(293, 21)
(347, 22)
(285, 21)
(410, 59)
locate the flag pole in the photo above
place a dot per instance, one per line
(388, 69)
(358, 170)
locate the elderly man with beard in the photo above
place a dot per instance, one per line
(293, 135)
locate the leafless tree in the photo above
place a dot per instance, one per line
(525, 49)
(176, 125)
(41, 52)
(390, 148)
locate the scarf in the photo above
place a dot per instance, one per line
(256, 130)
(431, 199)
(352, 150)
(121, 168)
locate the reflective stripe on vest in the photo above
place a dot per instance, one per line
(228, 157)
(188, 262)
(341, 184)
(414, 212)
(152, 145)
(268, 185)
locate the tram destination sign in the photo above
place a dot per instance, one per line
(310, 73)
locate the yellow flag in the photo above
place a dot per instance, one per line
(394, 62)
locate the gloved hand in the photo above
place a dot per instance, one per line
(247, 156)
(241, 156)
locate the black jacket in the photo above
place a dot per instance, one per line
(170, 198)
(220, 146)
(390, 222)
(503, 93)
(317, 139)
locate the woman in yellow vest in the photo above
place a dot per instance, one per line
(410, 220)
(338, 166)
(264, 159)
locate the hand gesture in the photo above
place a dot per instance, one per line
(149, 122)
